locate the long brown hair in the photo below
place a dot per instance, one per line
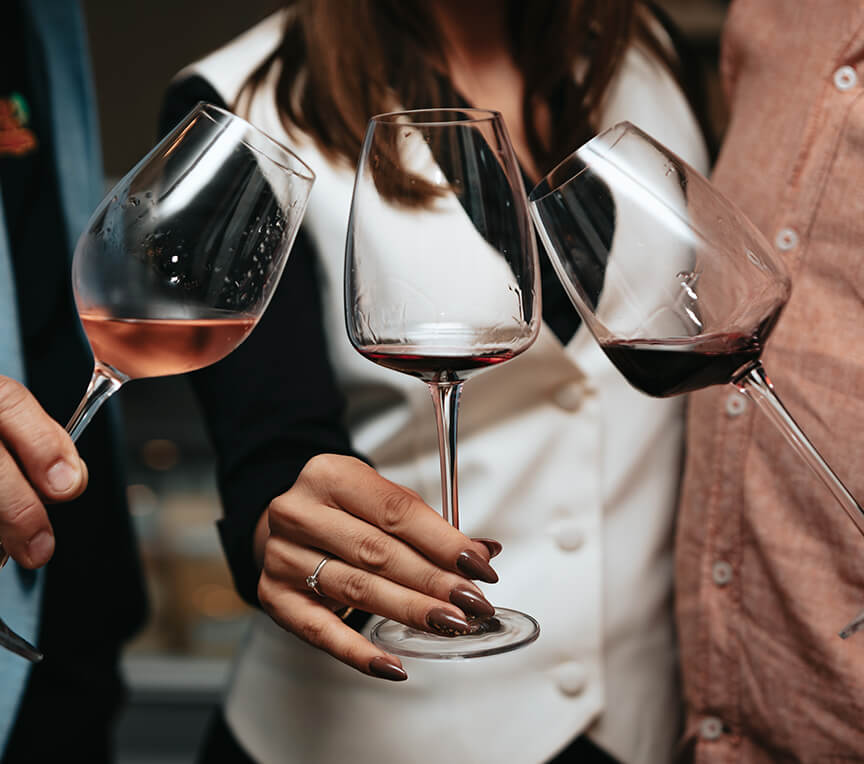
(343, 62)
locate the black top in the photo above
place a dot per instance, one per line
(273, 403)
(93, 597)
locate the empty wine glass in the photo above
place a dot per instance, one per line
(679, 288)
(181, 258)
(441, 282)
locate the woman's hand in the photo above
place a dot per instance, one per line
(389, 553)
(38, 463)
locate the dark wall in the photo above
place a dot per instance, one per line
(137, 47)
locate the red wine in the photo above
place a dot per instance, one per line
(673, 366)
(433, 364)
(157, 347)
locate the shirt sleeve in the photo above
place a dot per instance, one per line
(273, 403)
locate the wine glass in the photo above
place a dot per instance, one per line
(441, 282)
(679, 288)
(181, 258)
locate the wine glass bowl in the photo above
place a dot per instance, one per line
(441, 282)
(676, 284)
(440, 246)
(181, 258)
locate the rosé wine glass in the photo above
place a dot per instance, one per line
(679, 288)
(181, 258)
(441, 282)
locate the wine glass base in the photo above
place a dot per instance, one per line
(506, 630)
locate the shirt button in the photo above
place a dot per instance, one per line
(710, 728)
(569, 537)
(845, 78)
(572, 679)
(721, 573)
(736, 404)
(786, 239)
(569, 397)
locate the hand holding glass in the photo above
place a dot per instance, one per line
(180, 260)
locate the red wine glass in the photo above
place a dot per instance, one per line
(441, 283)
(679, 288)
(181, 258)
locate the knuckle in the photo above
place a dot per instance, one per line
(48, 442)
(283, 512)
(13, 395)
(323, 471)
(22, 510)
(433, 581)
(396, 510)
(373, 552)
(321, 467)
(357, 587)
(352, 655)
(277, 562)
(266, 593)
(415, 611)
(313, 632)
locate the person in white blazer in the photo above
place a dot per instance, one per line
(573, 471)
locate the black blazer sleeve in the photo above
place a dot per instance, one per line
(273, 403)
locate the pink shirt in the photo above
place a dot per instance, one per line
(769, 568)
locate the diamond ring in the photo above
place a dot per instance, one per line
(312, 581)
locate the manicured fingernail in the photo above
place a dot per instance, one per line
(387, 669)
(474, 566)
(40, 548)
(446, 623)
(62, 477)
(470, 602)
(493, 546)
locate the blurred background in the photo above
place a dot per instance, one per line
(179, 663)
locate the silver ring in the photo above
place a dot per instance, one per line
(312, 581)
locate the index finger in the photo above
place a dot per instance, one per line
(355, 487)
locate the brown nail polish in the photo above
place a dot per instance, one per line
(470, 602)
(387, 669)
(446, 623)
(474, 566)
(493, 546)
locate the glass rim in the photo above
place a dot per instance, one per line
(477, 116)
(536, 196)
(304, 171)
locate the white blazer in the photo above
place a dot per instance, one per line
(575, 472)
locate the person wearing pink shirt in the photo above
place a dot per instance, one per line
(768, 566)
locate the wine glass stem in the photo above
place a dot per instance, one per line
(445, 396)
(103, 384)
(756, 386)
